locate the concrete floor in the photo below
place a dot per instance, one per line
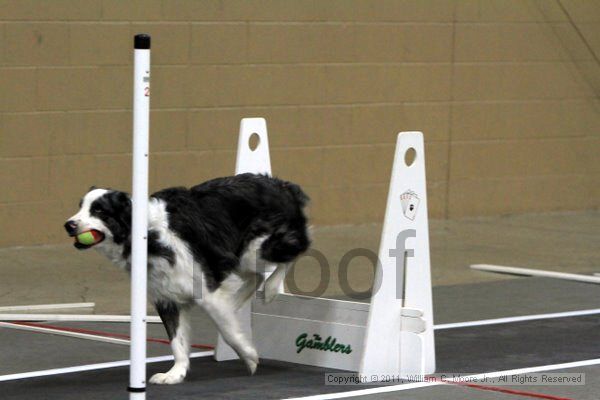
(565, 242)
(452, 303)
(467, 350)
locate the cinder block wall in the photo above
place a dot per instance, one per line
(506, 92)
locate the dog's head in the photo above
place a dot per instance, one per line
(105, 214)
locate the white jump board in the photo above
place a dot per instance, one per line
(316, 331)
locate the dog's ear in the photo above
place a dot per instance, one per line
(92, 188)
(124, 203)
(122, 197)
(120, 204)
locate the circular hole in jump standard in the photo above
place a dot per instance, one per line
(253, 141)
(410, 156)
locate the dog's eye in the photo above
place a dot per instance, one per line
(97, 210)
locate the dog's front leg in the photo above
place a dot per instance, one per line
(176, 320)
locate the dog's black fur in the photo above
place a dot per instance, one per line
(218, 218)
(214, 226)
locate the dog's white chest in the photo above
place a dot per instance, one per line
(177, 281)
(171, 282)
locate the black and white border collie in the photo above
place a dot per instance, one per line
(222, 233)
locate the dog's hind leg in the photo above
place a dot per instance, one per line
(176, 320)
(251, 282)
(282, 248)
(251, 270)
(220, 305)
(274, 282)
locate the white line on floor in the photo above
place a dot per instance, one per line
(92, 367)
(208, 353)
(508, 320)
(417, 385)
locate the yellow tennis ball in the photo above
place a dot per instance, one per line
(86, 238)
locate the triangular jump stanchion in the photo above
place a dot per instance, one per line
(391, 335)
(403, 278)
(256, 160)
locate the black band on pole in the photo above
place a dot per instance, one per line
(141, 41)
(136, 390)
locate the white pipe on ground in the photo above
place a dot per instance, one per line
(74, 318)
(535, 272)
(58, 332)
(41, 307)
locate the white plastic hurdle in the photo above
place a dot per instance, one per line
(393, 335)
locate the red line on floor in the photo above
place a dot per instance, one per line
(509, 391)
(105, 334)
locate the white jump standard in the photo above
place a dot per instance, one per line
(139, 218)
(392, 335)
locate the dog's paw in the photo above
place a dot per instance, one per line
(251, 361)
(239, 303)
(270, 293)
(271, 290)
(251, 365)
(169, 378)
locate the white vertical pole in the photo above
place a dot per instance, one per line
(139, 218)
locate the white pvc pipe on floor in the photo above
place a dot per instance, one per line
(535, 272)
(139, 218)
(58, 332)
(41, 307)
(74, 318)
